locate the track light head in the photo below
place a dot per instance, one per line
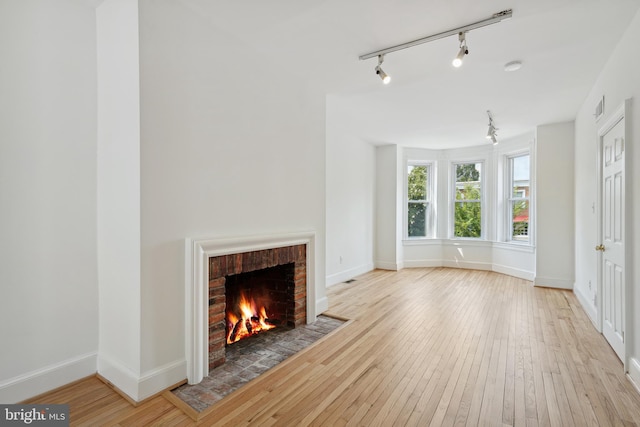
(491, 132)
(384, 76)
(457, 61)
(380, 72)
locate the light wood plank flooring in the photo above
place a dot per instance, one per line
(429, 346)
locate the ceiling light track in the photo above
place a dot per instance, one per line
(494, 19)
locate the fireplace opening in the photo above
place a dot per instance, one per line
(276, 279)
(259, 301)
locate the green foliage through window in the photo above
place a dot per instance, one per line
(419, 197)
(467, 172)
(468, 204)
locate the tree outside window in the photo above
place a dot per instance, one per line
(419, 200)
(468, 200)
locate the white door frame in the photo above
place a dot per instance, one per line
(621, 113)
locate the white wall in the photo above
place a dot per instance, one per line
(231, 145)
(350, 199)
(388, 215)
(618, 81)
(224, 151)
(48, 277)
(118, 171)
(555, 205)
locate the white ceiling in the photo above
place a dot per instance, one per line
(563, 45)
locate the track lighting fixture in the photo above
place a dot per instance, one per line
(491, 133)
(463, 50)
(461, 31)
(379, 71)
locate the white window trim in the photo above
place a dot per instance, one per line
(431, 190)
(507, 199)
(452, 199)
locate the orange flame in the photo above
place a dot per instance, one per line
(253, 320)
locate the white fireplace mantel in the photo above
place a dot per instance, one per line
(197, 254)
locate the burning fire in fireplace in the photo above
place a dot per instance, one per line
(246, 319)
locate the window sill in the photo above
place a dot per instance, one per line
(515, 246)
(511, 246)
(419, 241)
(460, 241)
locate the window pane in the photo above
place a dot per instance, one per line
(467, 215)
(417, 182)
(520, 176)
(468, 172)
(417, 220)
(518, 202)
(468, 181)
(520, 220)
(468, 191)
(468, 219)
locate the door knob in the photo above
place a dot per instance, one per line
(600, 248)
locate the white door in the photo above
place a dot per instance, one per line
(613, 238)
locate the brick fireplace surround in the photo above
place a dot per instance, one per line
(198, 254)
(220, 267)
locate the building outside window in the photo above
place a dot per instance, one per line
(467, 220)
(518, 198)
(419, 200)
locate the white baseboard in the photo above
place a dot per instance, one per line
(322, 305)
(119, 376)
(472, 265)
(550, 282)
(587, 305)
(40, 381)
(503, 269)
(419, 263)
(385, 265)
(334, 279)
(141, 387)
(515, 272)
(161, 378)
(467, 264)
(634, 373)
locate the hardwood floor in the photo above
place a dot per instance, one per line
(428, 346)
